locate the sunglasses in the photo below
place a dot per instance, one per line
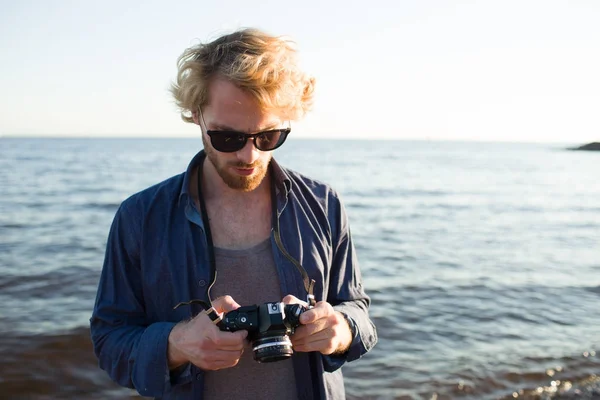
(227, 141)
(231, 141)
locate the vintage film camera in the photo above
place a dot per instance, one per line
(269, 327)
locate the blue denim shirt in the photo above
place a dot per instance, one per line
(157, 256)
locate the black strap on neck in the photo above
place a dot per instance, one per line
(308, 283)
(209, 241)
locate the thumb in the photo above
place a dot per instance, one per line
(225, 304)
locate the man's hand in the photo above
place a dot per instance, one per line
(200, 341)
(323, 329)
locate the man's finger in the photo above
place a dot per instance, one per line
(291, 299)
(219, 359)
(307, 330)
(225, 304)
(230, 339)
(315, 342)
(321, 310)
(223, 355)
(314, 345)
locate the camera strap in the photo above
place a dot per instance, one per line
(308, 283)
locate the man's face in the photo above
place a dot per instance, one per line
(230, 108)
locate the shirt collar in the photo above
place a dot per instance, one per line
(283, 183)
(197, 160)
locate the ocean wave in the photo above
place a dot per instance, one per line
(69, 369)
(108, 206)
(571, 377)
(54, 284)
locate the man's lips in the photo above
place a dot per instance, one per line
(244, 171)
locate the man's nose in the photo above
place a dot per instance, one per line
(249, 153)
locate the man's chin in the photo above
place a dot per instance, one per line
(243, 183)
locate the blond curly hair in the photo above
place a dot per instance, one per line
(264, 65)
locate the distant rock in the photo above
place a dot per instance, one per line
(594, 146)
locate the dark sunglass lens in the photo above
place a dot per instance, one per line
(270, 140)
(228, 142)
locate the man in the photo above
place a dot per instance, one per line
(235, 229)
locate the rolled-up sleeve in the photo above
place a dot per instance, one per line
(131, 349)
(347, 295)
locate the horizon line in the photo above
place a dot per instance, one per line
(357, 139)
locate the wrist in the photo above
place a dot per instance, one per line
(348, 337)
(175, 355)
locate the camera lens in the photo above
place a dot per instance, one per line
(272, 348)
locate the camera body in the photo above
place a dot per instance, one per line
(269, 326)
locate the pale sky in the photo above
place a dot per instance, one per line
(502, 70)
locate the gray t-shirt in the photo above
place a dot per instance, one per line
(250, 277)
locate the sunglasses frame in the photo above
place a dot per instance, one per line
(284, 132)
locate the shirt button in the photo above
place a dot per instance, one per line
(202, 282)
(198, 377)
